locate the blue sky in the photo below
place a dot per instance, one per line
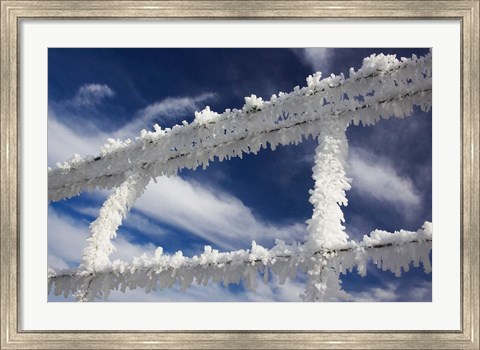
(94, 94)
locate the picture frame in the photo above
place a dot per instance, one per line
(12, 13)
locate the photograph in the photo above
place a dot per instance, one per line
(240, 174)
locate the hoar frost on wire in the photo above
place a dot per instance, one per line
(325, 227)
(286, 261)
(98, 246)
(285, 119)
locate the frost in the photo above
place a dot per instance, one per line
(323, 267)
(205, 116)
(285, 119)
(253, 104)
(313, 81)
(113, 145)
(98, 246)
(325, 228)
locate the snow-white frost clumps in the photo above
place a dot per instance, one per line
(396, 256)
(313, 81)
(325, 227)
(253, 104)
(70, 163)
(113, 145)
(205, 116)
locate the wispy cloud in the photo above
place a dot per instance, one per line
(126, 250)
(63, 142)
(375, 177)
(376, 294)
(395, 291)
(89, 95)
(173, 107)
(168, 111)
(274, 291)
(66, 238)
(211, 214)
(422, 292)
(319, 58)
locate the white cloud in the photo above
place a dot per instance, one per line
(319, 58)
(88, 211)
(391, 293)
(422, 292)
(173, 107)
(377, 178)
(56, 262)
(126, 250)
(143, 224)
(66, 238)
(90, 95)
(63, 142)
(213, 215)
(210, 214)
(168, 110)
(274, 291)
(376, 294)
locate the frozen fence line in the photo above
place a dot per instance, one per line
(381, 88)
(389, 251)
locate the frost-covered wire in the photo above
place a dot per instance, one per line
(98, 246)
(383, 87)
(389, 251)
(325, 227)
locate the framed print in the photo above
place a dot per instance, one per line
(224, 223)
(253, 208)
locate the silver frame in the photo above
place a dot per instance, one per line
(13, 338)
